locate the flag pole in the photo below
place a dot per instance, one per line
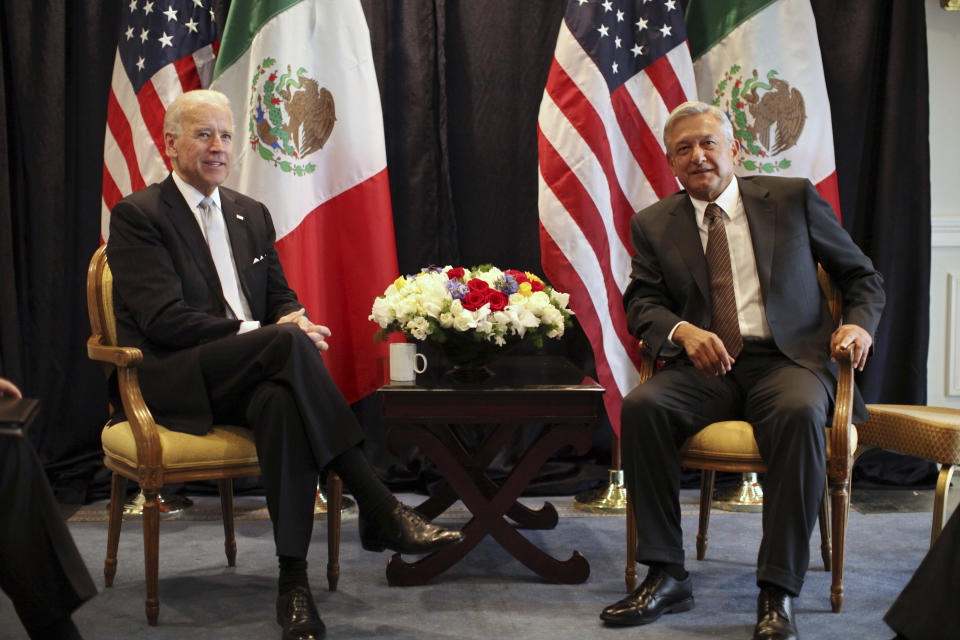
(612, 498)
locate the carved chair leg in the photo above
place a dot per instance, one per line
(707, 477)
(334, 505)
(841, 505)
(825, 547)
(630, 575)
(118, 493)
(940, 500)
(226, 509)
(151, 550)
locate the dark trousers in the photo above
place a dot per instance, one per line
(788, 408)
(274, 381)
(927, 609)
(40, 568)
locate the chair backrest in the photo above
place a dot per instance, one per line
(103, 322)
(833, 294)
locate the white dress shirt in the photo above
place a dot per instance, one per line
(193, 198)
(743, 262)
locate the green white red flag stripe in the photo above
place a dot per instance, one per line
(329, 196)
(786, 100)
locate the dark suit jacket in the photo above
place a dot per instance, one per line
(167, 294)
(792, 229)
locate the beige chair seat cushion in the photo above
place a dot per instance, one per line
(733, 440)
(931, 433)
(728, 439)
(223, 445)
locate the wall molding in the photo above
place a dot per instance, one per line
(945, 231)
(953, 334)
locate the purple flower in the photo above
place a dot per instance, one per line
(506, 285)
(457, 289)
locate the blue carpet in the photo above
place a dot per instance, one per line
(488, 594)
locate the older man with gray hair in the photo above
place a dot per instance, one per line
(724, 289)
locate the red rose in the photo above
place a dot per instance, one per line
(519, 276)
(476, 284)
(455, 274)
(536, 286)
(496, 299)
(474, 300)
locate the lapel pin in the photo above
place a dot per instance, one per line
(239, 217)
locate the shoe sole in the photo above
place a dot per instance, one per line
(679, 607)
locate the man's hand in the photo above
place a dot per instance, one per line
(7, 388)
(316, 332)
(704, 348)
(854, 338)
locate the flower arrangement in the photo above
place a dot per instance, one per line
(472, 312)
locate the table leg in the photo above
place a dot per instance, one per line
(488, 511)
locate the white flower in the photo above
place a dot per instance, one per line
(382, 312)
(446, 320)
(419, 328)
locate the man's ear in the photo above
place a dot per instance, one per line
(169, 148)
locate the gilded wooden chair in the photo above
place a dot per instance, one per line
(931, 433)
(139, 449)
(731, 446)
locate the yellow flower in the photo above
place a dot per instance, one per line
(525, 289)
(533, 276)
(400, 282)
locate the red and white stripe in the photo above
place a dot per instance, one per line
(133, 154)
(602, 159)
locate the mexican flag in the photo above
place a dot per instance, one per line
(308, 143)
(759, 61)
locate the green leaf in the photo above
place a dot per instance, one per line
(268, 62)
(285, 166)
(735, 69)
(265, 152)
(768, 167)
(749, 165)
(784, 164)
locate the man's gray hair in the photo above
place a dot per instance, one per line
(188, 100)
(688, 109)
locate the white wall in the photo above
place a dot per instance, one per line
(943, 363)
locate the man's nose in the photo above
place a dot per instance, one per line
(698, 155)
(216, 144)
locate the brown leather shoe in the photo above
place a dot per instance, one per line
(774, 615)
(297, 614)
(659, 593)
(407, 532)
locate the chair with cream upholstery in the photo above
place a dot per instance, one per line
(731, 446)
(139, 449)
(931, 433)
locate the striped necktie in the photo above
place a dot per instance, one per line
(724, 319)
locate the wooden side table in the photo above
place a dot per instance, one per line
(524, 390)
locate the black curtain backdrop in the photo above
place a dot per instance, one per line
(460, 84)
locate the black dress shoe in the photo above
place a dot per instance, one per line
(297, 614)
(774, 615)
(659, 593)
(407, 532)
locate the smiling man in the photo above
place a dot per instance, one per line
(199, 289)
(724, 289)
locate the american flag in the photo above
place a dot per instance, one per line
(619, 68)
(165, 49)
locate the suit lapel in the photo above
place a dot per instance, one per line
(683, 229)
(761, 214)
(186, 225)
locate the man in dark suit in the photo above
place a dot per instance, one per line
(199, 288)
(724, 289)
(40, 568)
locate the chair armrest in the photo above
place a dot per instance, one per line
(117, 356)
(142, 424)
(647, 362)
(841, 446)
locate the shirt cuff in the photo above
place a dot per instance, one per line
(672, 331)
(248, 325)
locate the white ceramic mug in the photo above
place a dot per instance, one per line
(404, 360)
